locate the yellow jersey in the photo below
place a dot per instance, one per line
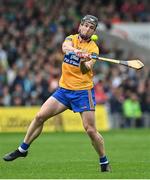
(72, 77)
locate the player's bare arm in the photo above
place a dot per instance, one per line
(68, 47)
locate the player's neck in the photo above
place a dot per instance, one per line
(83, 40)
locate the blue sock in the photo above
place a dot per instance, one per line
(103, 160)
(23, 147)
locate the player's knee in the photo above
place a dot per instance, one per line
(39, 118)
(91, 131)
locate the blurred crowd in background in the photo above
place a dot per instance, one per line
(31, 35)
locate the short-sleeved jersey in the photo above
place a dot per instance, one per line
(72, 77)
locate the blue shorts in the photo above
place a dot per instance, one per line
(76, 100)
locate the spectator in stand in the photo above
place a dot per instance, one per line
(116, 101)
(132, 111)
(144, 92)
(100, 95)
(3, 58)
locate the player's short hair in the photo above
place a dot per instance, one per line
(91, 19)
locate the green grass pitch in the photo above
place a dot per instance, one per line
(70, 156)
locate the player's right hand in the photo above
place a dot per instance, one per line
(82, 54)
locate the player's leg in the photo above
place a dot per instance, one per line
(49, 109)
(88, 119)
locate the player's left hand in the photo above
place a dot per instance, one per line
(89, 64)
(83, 55)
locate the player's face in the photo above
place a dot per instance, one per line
(86, 30)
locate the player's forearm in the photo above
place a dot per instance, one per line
(68, 48)
(86, 66)
(83, 68)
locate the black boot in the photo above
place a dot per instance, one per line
(14, 155)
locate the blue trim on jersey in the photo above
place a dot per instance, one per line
(76, 100)
(72, 59)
